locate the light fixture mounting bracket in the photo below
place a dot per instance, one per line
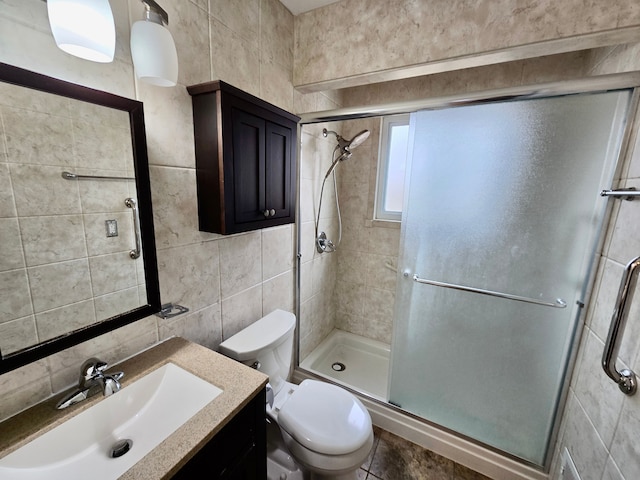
(154, 7)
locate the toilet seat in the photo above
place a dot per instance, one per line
(325, 418)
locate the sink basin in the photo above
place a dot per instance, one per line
(145, 412)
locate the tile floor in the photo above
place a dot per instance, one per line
(394, 458)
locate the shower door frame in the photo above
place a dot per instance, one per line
(585, 85)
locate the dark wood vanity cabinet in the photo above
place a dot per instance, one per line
(237, 452)
(245, 160)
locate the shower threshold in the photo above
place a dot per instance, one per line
(351, 360)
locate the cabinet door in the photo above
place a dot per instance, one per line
(248, 137)
(279, 144)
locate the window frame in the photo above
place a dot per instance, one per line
(379, 212)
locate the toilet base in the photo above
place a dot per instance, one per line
(280, 464)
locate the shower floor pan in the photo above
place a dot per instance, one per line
(352, 360)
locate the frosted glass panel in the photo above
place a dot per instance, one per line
(502, 197)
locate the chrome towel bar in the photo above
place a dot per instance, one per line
(559, 303)
(626, 379)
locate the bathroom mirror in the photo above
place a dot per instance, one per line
(76, 227)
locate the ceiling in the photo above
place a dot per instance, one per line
(300, 6)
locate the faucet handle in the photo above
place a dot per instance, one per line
(91, 369)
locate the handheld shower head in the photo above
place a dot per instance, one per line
(346, 146)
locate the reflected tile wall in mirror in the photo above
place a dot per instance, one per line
(59, 270)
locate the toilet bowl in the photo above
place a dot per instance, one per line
(325, 428)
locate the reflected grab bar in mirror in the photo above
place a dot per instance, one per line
(626, 379)
(75, 176)
(131, 203)
(559, 303)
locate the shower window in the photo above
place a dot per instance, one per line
(391, 167)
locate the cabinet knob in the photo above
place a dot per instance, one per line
(266, 213)
(272, 212)
(269, 213)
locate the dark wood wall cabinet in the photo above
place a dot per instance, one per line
(245, 160)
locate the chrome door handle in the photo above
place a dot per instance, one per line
(559, 303)
(626, 379)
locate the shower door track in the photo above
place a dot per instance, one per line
(602, 83)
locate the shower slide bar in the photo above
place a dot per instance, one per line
(75, 176)
(559, 303)
(626, 378)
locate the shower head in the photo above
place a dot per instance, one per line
(346, 146)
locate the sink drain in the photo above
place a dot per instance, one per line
(339, 367)
(120, 448)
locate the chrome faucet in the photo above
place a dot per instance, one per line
(92, 380)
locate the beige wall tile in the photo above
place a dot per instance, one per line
(175, 216)
(53, 145)
(189, 26)
(190, 275)
(168, 115)
(60, 196)
(15, 301)
(68, 318)
(18, 334)
(241, 310)
(277, 251)
(278, 292)
(53, 239)
(243, 18)
(7, 202)
(240, 263)
(242, 69)
(12, 253)
(275, 85)
(203, 327)
(112, 272)
(111, 304)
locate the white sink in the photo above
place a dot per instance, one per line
(145, 412)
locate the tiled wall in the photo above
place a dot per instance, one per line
(59, 271)
(226, 282)
(318, 272)
(366, 284)
(601, 425)
(350, 40)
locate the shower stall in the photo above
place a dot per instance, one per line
(466, 313)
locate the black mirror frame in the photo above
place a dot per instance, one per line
(36, 81)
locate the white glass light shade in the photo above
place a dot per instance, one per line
(154, 54)
(84, 28)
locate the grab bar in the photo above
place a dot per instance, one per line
(626, 379)
(624, 193)
(131, 203)
(75, 176)
(559, 303)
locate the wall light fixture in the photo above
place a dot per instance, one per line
(152, 48)
(84, 28)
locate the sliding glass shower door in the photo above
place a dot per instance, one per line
(501, 218)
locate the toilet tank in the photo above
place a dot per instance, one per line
(269, 341)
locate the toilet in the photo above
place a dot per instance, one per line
(325, 428)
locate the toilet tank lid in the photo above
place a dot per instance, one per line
(268, 332)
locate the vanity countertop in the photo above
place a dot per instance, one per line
(238, 382)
